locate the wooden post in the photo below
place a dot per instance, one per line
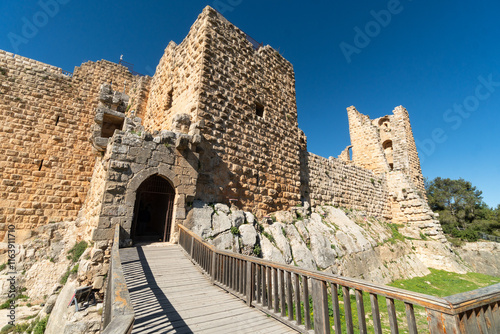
(347, 310)
(361, 311)
(336, 309)
(377, 326)
(289, 290)
(250, 283)
(298, 311)
(393, 320)
(213, 274)
(320, 307)
(410, 319)
(440, 323)
(192, 245)
(307, 313)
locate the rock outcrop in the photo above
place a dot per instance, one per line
(326, 238)
(483, 257)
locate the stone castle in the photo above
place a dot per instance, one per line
(217, 122)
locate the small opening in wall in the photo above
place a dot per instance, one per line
(57, 120)
(259, 109)
(391, 166)
(384, 122)
(40, 166)
(110, 123)
(170, 97)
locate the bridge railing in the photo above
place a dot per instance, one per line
(118, 313)
(311, 300)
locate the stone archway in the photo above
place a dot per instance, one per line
(153, 210)
(131, 197)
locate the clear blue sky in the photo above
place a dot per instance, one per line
(439, 59)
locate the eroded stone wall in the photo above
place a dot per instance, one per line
(367, 149)
(175, 87)
(249, 112)
(333, 181)
(45, 125)
(386, 146)
(409, 149)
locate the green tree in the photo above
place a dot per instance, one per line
(461, 209)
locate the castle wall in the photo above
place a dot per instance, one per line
(175, 85)
(139, 96)
(367, 150)
(409, 149)
(248, 109)
(343, 184)
(46, 117)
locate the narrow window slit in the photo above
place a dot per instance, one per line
(57, 119)
(41, 164)
(259, 109)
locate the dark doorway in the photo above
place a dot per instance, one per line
(153, 210)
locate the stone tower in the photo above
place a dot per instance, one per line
(240, 96)
(386, 146)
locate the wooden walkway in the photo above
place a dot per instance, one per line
(170, 295)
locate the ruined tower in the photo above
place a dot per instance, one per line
(386, 146)
(241, 96)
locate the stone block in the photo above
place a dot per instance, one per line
(102, 234)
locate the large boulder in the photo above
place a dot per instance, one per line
(270, 252)
(225, 241)
(237, 218)
(302, 256)
(201, 219)
(482, 257)
(279, 234)
(220, 222)
(321, 246)
(248, 235)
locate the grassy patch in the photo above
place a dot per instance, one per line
(395, 234)
(442, 283)
(77, 251)
(37, 326)
(68, 272)
(257, 251)
(269, 236)
(6, 304)
(235, 231)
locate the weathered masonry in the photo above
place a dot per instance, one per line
(217, 122)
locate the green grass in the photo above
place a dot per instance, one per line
(269, 236)
(235, 231)
(68, 272)
(36, 326)
(442, 283)
(396, 235)
(77, 251)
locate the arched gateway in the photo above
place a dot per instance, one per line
(153, 209)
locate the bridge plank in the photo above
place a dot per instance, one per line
(169, 294)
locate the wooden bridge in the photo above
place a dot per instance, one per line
(170, 295)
